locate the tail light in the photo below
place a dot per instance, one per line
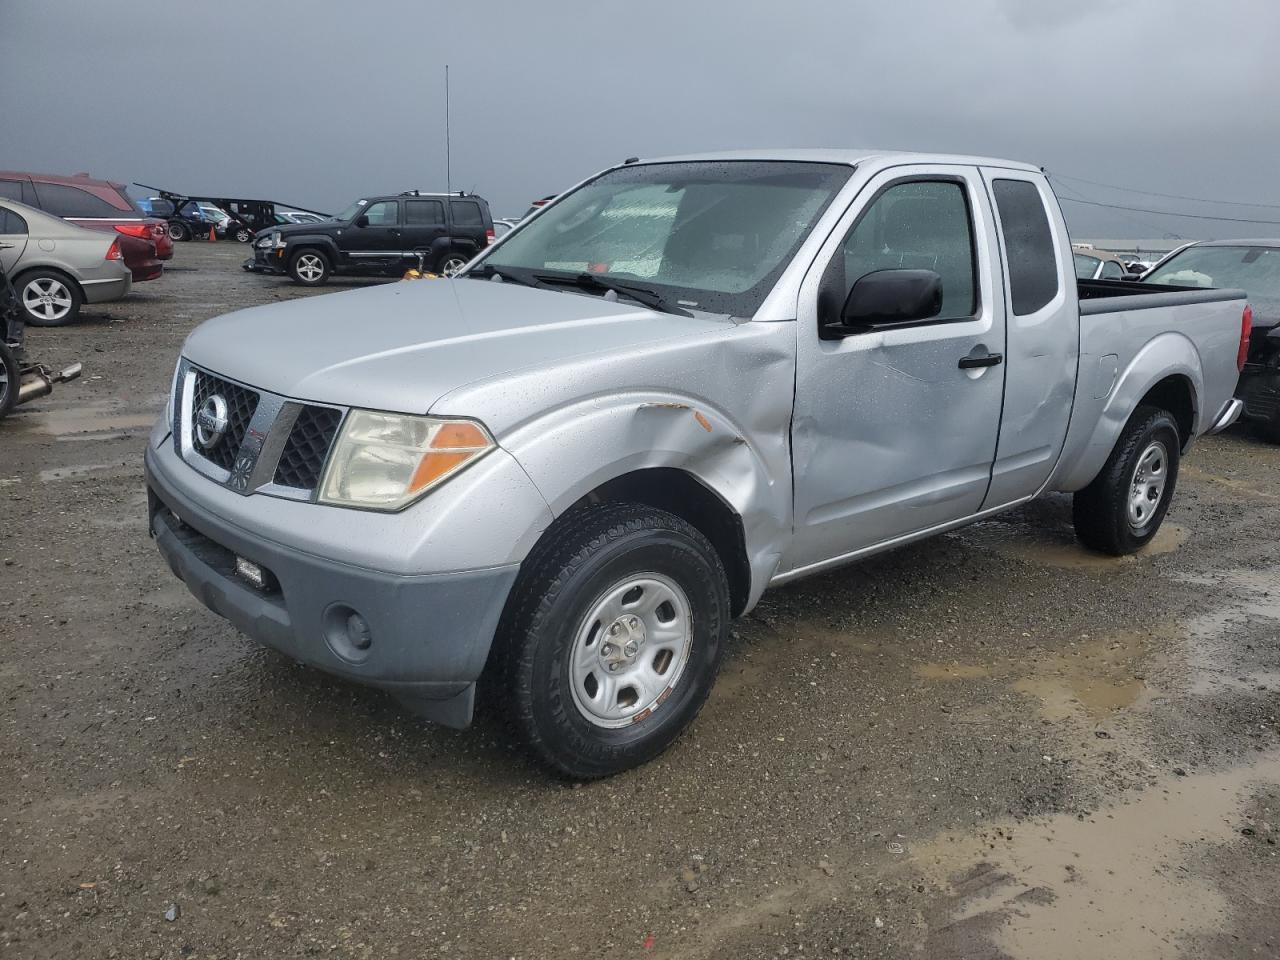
(140, 230)
(113, 251)
(489, 236)
(1246, 328)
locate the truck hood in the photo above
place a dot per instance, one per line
(402, 346)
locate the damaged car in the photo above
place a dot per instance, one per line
(21, 381)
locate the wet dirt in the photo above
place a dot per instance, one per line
(990, 745)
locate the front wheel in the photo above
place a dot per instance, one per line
(309, 268)
(1122, 509)
(243, 234)
(178, 230)
(613, 637)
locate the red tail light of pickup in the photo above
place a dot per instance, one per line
(1246, 328)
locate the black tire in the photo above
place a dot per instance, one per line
(1269, 430)
(44, 281)
(178, 231)
(1101, 511)
(10, 379)
(449, 263)
(584, 556)
(309, 267)
(243, 234)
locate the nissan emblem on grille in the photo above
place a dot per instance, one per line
(211, 422)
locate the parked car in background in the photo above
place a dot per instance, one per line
(379, 236)
(538, 205)
(1254, 267)
(1094, 264)
(56, 266)
(567, 469)
(503, 226)
(303, 216)
(97, 205)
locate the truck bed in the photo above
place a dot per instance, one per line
(1109, 296)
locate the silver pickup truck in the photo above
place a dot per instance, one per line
(562, 473)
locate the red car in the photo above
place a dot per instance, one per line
(99, 205)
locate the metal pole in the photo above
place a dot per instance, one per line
(448, 170)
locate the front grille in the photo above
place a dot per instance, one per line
(241, 405)
(304, 452)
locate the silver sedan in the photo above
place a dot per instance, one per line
(56, 266)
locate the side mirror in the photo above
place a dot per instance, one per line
(362, 221)
(887, 297)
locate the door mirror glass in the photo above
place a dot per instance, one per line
(362, 221)
(886, 297)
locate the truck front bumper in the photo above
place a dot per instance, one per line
(265, 261)
(422, 638)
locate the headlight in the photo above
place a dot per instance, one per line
(170, 407)
(385, 461)
(265, 242)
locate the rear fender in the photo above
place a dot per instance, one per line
(1167, 355)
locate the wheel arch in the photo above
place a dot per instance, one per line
(62, 270)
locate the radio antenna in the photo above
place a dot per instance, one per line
(448, 170)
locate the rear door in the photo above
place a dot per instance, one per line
(1043, 350)
(891, 434)
(13, 239)
(423, 226)
(468, 226)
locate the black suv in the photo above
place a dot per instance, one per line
(379, 236)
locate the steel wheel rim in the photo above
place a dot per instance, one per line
(1148, 483)
(452, 266)
(630, 650)
(309, 267)
(47, 298)
(175, 233)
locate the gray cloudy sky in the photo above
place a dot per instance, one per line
(317, 102)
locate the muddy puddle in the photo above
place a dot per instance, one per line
(1057, 546)
(1126, 882)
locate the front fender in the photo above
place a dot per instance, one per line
(577, 448)
(1167, 355)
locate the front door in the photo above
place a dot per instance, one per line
(892, 434)
(376, 236)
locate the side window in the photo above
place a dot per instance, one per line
(1028, 245)
(1112, 270)
(466, 213)
(11, 223)
(66, 201)
(11, 189)
(383, 214)
(423, 213)
(1086, 267)
(921, 225)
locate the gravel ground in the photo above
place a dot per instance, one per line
(989, 745)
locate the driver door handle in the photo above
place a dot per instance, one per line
(989, 360)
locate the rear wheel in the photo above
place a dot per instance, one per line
(1122, 509)
(48, 299)
(309, 268)
(178, 230)
(613, 637)
(10, 380)
(450, 263)
(243, 234)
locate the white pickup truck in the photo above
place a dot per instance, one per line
(562, 473)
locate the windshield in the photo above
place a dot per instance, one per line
(1255, 270)
(351, 212)
(1086, 267)
(709, 235)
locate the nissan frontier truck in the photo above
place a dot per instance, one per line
(561, 474)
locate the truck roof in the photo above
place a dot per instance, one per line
(850, 156)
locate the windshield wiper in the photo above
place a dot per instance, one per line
(588, 281)
(488, 271)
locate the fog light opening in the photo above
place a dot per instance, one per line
(347, 632)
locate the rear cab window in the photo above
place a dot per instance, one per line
(1028, 243)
